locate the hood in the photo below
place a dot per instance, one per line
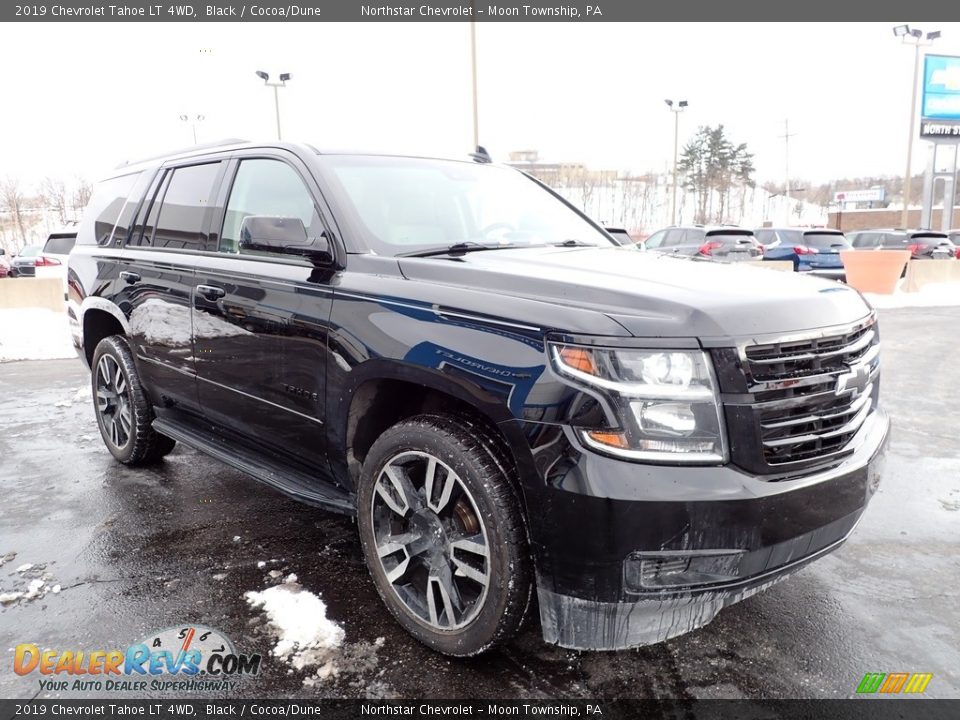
(649, 294)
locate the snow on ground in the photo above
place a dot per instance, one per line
(34, 334)
(306, 638)
(932, 295)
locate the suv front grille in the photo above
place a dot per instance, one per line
(809, 395)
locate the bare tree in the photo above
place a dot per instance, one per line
(13, 201)
(81, 194)
(53, 193)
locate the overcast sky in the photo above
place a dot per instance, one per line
(80, 98)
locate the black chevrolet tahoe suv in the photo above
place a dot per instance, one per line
(506, 400)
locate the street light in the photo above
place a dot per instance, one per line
(193, 120)
(681, 106)
(912, 36)
(276, 97)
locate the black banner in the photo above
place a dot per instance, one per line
(858, 709)
(478, 10)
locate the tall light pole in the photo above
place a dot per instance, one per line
(473, 71)
(193, 120)
(276, 96)
(681, 106)
(912, 36)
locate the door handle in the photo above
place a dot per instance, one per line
(210, 292)
(129, 277)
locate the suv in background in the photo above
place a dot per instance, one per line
(812, 250)
(954, 236)
(922, 244)
(24, 262)
(721, 242)
(52, 261)
(507, 401)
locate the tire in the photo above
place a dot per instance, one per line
(452, 565)
(124, 413)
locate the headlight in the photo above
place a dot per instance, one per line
(666, 402)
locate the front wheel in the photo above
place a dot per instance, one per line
(124, 413)
(443, 535)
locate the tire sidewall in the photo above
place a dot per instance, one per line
(481, 631)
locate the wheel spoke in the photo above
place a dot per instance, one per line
(104, 369)
(393, 546)
(442, 584)
(120, 383)
(125, 420)
(115, 431)
(446, 488)
(103, 399)
(391, 488)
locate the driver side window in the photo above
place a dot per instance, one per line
(270, 188)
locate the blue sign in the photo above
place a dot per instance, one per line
(941, 87)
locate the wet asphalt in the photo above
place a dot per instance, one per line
(136, 550)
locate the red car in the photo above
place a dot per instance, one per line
(4, 264)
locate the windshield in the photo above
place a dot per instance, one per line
(30, 251)
(406, 205)
(823, 241)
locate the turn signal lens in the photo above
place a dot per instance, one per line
(579, 359)
(610, 439)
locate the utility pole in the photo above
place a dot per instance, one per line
(473, 71)
(786, 163)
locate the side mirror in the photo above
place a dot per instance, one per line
(283, 236)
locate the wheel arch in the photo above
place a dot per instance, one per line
(99, 318)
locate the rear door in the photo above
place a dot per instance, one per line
(261, 319)
(157, 276)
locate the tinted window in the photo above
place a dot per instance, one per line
(693, 237)
(861, 240)
(184, 207)
(59, 244)
(790, 237)
(673, 238)
(730, 239)
(895, 240)
(122, 229)
(271, 188)
(824, 240)
(104, 208)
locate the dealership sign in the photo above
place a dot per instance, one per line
(941, 88)
(857, 196)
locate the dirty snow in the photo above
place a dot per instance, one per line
(932, 295)
(30, 581)
(34, 334)
(306, 638)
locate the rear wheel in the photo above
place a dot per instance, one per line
(443, 534)
(124, 413)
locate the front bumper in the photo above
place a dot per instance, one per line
(598, 516)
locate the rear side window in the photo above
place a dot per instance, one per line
(59, 244)
(181, 208)
(896, 240)
(122, 229)
(103, 209)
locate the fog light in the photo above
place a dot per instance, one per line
(645, 571)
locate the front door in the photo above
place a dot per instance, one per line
(260, 319)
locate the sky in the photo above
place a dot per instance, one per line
(82, 98)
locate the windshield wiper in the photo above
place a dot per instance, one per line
(455, 249)
(573, 243)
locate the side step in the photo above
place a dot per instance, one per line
(313, 489)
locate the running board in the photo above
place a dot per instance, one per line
(313, 489)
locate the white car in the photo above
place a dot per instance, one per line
(52, 260)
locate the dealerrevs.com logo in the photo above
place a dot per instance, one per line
(188, 658)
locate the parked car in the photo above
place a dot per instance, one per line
(954, 236)
(52, 261)
(922, 244)
(4, 264)
(812, 250)
(24, 262)
(505, 400)
(721, 242)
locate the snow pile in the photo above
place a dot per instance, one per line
(306, 638)
(932, 295)
(34, 334)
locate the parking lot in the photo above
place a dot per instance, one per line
(136, 550)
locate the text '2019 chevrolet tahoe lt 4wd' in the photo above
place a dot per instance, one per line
(506, 400)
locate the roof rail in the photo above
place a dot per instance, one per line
(193, 148)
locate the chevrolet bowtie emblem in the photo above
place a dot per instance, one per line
(854, 381)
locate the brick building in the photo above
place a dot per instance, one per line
(883, 218)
